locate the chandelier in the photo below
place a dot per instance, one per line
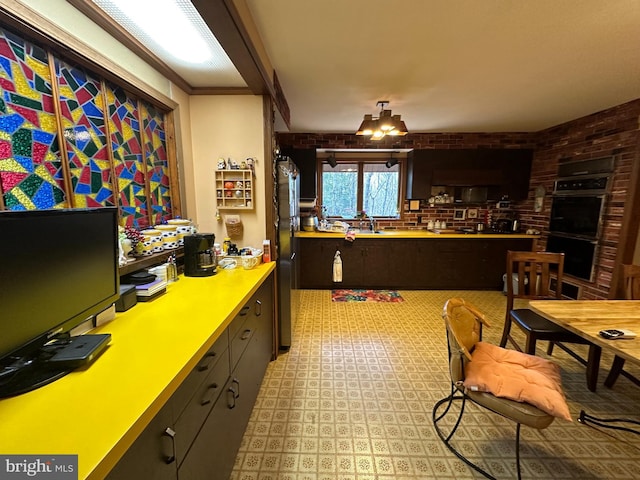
(385, 124)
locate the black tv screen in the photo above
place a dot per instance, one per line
(58, 268)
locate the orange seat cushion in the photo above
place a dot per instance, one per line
(517, 376)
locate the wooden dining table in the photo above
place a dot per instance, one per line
(587, 317)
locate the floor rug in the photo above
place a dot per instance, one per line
(365, 296)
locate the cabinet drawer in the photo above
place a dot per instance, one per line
(238, 322)
(243, 337)
(192, 383)
(193, 416)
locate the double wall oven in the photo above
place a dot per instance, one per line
(576, 219)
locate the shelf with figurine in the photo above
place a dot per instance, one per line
(234, 184)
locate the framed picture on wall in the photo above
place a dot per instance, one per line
(414, 205)
(459, 214)
(472, 213)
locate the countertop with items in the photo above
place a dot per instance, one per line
(98, 411)
(449, 233)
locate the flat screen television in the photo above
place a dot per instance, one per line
(58, 268)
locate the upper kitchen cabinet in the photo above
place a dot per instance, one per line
(305, 160)
(503, 171)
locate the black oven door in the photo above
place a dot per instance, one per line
(579, 254)
(578, 215)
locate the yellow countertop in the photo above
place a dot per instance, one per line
(383, 234)
(97, 412)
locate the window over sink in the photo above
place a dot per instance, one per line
(354, 186)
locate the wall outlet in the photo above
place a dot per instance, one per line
(424, 219)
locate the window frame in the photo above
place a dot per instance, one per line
(320, 162)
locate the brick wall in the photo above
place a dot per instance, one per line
(612, 132)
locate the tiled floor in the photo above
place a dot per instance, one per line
(352, 399)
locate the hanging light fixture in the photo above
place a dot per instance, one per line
(385, 124)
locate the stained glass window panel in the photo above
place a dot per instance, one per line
(31, 174)
(124, 129)
(157, 164)
(85, 136)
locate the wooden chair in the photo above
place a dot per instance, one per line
(533, 271)
(631, 281)
(464, 323)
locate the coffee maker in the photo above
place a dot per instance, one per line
(199, 255)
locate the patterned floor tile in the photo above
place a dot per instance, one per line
(352, 400)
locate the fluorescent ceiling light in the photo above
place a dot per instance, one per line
(171, 26)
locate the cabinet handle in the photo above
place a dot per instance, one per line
(244, 311)
(246, 334)
(206, 400)
(237, 382)
(233, 398)
(258, 309)
(205, 366)
(169, 432)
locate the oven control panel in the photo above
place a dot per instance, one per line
(582, 185)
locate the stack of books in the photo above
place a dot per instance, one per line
(151, 290)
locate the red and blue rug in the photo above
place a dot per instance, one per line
(358, 295)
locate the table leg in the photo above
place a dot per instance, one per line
(614, 373)
(593, 365)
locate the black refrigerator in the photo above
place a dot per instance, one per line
(288, 200)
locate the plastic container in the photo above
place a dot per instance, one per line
(266, 251)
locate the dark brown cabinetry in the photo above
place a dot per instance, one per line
(152, 455)
(365, 261)
(412, 264)
(198, 431)
(305, 160)
(503, 171)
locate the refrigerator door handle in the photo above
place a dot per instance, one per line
(293, 255)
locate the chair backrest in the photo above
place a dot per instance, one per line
(631, 279)
(529, 276)
(464, 323)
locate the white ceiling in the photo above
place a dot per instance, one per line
(444, 65)
(451, 65)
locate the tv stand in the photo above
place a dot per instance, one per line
(28, 374)
(49, 363)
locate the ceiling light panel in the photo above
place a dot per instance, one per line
(176, 33)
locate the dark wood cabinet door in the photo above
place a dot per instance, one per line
(316, 261)
(152, 456)
(305, 160)
(419, 174)
(353, 259)
(515, 170)
(376, 266)
(503, 171)
(420, 269)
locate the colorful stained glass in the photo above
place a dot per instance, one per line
(31, 174)
(155, 152)
(85, 136)
(124, 129)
